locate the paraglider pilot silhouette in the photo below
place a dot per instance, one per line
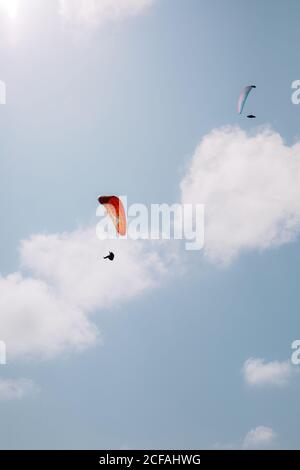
(110, 256)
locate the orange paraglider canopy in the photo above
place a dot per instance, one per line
(115, 209)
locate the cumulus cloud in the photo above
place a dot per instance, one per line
(261, 437)
(258, 372)
(35, 320)
(15, 389)
(250, 185)
(47, 306)
(96, 12)
(71, 263)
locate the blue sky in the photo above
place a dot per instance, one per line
(100, 105)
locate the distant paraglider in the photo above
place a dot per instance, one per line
(115, 210)
(110, 256)
(243, 98)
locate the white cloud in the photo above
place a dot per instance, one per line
(14, 389)
(96, 12)
(35, 320)
(72, 263)
(49, 309)
(258, 372)
(250, 185)
(261, 437)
